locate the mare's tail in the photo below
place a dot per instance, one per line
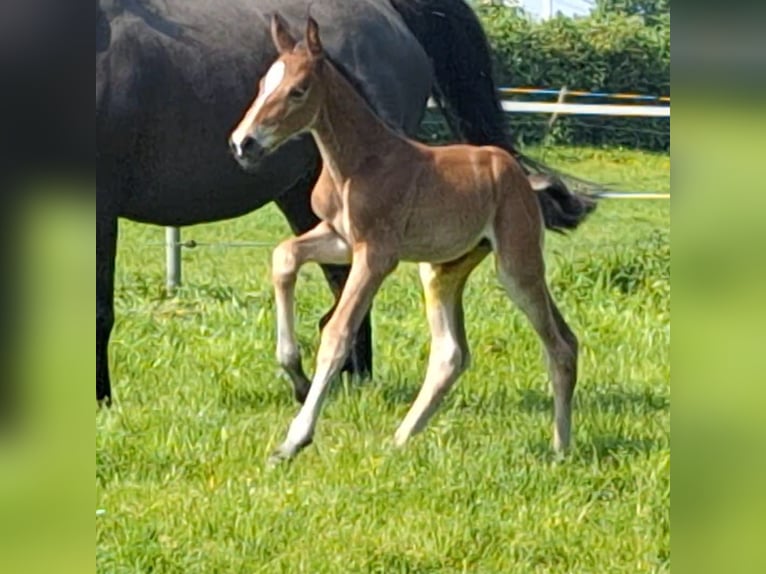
(454, 39)
(562, 209)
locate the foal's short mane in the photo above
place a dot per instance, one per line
(358, 86)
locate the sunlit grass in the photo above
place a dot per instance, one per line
(200, 402)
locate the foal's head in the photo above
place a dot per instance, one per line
(288, 96)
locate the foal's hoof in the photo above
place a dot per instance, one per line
(279, 456)
(104, 402)
(285, 452)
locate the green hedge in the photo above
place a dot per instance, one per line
(607, 53)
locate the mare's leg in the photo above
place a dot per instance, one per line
(106, 246)
(450, 356)
(368, 270)
(521, 269)
(319, 244)
(295, 204)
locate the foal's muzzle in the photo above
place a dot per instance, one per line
(247, 151)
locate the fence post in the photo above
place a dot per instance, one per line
(555, 115)
(172, 258)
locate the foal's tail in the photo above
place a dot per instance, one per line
(454, 39)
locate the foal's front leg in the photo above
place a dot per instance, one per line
(368, 271)
(321, 244)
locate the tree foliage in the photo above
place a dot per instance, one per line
(606, 52)
(652, 11)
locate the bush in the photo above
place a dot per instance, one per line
(603, 52)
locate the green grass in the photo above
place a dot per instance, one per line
(200, 402)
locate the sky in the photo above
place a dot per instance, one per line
(566, 7)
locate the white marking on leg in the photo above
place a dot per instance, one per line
(444, 367)
(446, 359)
(284, 270)
(271, 82)
(303, 425)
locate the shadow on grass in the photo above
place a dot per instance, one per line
(617, 402)
(602, 448)
(388, 562)
(609, 446)
(536, 401)
(400, 394)
(244, 399)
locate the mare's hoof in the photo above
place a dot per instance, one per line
(298, 379)
(301, 393)
(356, 367)
(104, 402)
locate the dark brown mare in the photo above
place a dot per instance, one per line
(384, 198)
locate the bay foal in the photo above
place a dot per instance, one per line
(383, 198)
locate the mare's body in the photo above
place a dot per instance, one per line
(172, 77)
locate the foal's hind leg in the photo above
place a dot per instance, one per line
(323, 245)
(522, 271)
(443, 285)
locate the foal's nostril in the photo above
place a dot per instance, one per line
(247, 145)
(242, 147)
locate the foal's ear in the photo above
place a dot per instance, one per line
(313, 43)
(282, 38)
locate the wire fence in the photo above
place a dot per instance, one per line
(434, 129)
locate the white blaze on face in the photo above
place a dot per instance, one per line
(273, 78)
(271, 82)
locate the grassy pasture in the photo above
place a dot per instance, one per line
(200, 402)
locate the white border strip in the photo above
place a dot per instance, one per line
(630, 195)
(587, 109)
(582, 109)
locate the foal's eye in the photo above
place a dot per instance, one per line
(296, 93)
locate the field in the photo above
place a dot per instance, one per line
(200, 402)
